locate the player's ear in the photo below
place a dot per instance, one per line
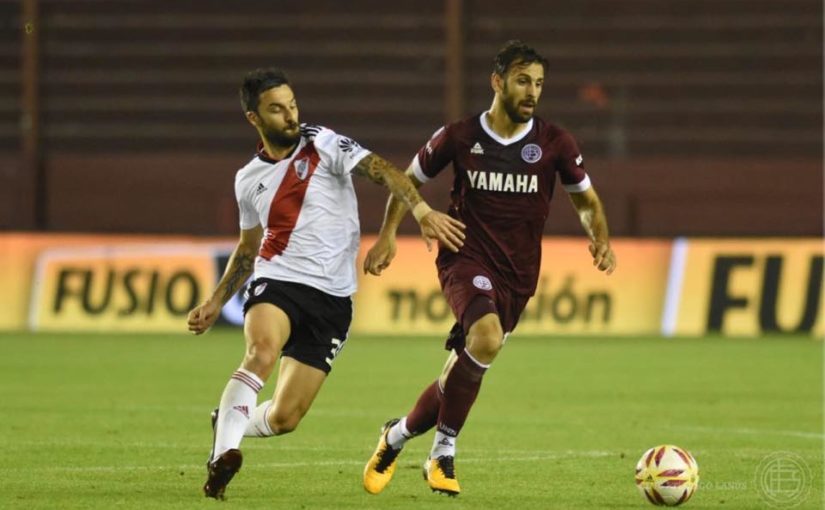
(253, 119)
(497, 82)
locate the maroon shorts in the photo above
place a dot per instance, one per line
(473, 292)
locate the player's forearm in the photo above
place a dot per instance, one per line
(591, 214)
(406, 195)
(396, 209)
(404, 192)
(239, 268)
(594, 222)
(383, 172)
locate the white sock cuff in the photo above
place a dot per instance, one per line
(249, 378)
(398, 434)
(477, 362)
(442, 445)
(267, 405)
(402, 427)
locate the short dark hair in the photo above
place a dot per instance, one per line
(259, 81)
(516, 52)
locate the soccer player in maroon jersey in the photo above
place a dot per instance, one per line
(505, 163)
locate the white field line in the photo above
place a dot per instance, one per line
(252, 444)
(756, 432)
(536, 456)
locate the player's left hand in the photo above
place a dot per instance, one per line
(380, 255)
(603, 257)
(443, 229)
(202, 317)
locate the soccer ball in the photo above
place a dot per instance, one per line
(667, 475)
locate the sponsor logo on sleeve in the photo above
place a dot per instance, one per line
(348, 145)
(429, 145)
(579, 160)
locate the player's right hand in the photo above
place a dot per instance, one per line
(603, 257)
(442, 228)
(380, 255)
(202, 317)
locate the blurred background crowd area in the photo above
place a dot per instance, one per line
(697, 118)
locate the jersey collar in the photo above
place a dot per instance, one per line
(503, 141)
(263, 156)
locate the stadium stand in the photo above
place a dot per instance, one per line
(673, 102)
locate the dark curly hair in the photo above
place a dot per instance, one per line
(516, 52)
(258, 81)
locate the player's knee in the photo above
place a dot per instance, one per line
(283, 422)
(261, 354)
(486, 348)
(485, 339)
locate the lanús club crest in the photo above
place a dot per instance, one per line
(531, 153)
(302, 168)
(482, 282)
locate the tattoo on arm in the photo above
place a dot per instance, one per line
(239, 269)
(373, 168)
(381, 171)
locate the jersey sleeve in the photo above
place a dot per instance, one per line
(247, 215)
(570, 166)
(339, 152)
(434, 156)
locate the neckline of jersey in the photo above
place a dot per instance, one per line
(503, 141)
(263, 156)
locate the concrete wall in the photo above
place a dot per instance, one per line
(193, 193)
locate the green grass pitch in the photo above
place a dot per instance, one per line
(121, 421)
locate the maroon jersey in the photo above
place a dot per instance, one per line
(502, 190)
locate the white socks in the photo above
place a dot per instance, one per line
(237, 404)
(442, 445)
(398, 434)
(258, 426)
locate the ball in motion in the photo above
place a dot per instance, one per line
(667, 475)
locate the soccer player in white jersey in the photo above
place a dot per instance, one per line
(300, 234)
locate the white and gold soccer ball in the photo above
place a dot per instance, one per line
(667, 475)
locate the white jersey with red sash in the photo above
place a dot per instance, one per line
(306, 204)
